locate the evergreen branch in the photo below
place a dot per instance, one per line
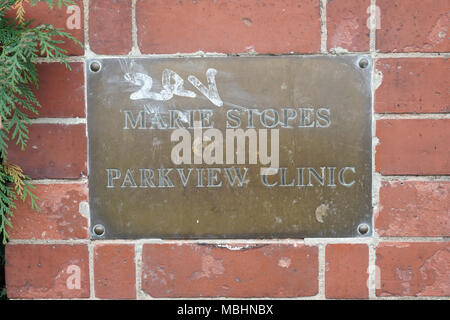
(7, 198)
(20, 45)
(20, 10)
(27, 193)
(16, 173)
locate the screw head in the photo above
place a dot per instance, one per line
(363, 228)
(363, 63)
(99, 230)
(95, 66)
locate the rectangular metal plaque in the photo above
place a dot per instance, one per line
(230, 147)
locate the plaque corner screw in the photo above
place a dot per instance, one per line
(99, 230)
(363, 228)
(95, 66)
(363, 63)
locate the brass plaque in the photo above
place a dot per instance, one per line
(230, 147)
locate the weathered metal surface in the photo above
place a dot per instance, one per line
(320, 107)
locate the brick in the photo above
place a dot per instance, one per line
(63, 214)
(346, 269)
(413, 147)
(413, 269)
(61, 91)
(190, 270)
(114, 271)
(415, 85)
(53, 151)
(413, 26)
(47, 271)
(414, 208)
(347, 25)
(70, 19)
(110, 26)
(284, 26)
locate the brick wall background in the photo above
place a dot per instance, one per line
(409, 253)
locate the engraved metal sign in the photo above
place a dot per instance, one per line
(230, 147)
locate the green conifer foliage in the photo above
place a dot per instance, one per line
(21, 44)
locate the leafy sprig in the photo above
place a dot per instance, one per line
(14, 184)
(21, 44)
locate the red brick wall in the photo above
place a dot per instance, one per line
(50, 254)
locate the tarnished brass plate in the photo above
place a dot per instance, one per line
(230, 147)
